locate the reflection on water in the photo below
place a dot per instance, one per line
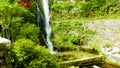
(101, 66)
(108, 66)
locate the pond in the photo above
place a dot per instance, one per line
(101, 66)
(108, 66)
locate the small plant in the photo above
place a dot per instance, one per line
(30, 31)
(96, 47)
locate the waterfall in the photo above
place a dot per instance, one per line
(47, 25)
(38, 15)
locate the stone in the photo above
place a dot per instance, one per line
(8, 59)
(2, 61)
(112, 55)
(5, 58)
(2, 46)
(2, 53)
(4, 66)
(5, 41)
(9, 66)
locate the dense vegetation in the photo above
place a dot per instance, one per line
(68, 21)
(27, 54)
(18, 24)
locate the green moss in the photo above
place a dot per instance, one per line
(72, 55)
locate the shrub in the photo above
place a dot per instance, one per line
(26, 54)
(14, 19)
(30, 31)
(9, 13)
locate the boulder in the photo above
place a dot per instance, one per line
(5, 41)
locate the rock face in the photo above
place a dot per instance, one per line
(108, 32)
(5, 59)
(112, 55)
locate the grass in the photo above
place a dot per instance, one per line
(66, 20)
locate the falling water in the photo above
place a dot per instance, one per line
(38, 14)
(47, 25)
(72, 1)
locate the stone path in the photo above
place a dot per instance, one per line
(108, 38)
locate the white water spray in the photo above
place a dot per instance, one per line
(94, 66)
(47, 25)
(72, 1)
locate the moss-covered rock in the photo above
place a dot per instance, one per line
(5, 58)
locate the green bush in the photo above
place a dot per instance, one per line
(17, 22)
(27, 54)
(30, 31)
(10, 13)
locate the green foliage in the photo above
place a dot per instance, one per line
(99, 8)
(96, 47)
(27, 54)
(17, 22)
(85, 9)
(29, 31)
(88, 8)
(8, 12)
(69, 33)
(63, 5)
(67, 20)
(33, 8)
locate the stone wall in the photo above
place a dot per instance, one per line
(5, 59)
